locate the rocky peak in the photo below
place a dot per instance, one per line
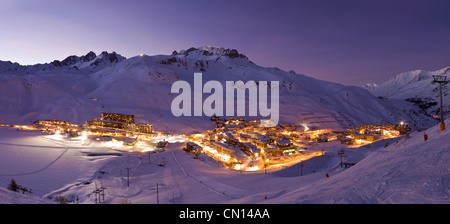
(211, 51)
(108, 57)
(91, 58)
(73, 59)
(88, 57)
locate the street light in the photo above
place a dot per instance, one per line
(128, 177)
(441, 79)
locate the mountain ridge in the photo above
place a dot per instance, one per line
(140, 85)
(416, 86)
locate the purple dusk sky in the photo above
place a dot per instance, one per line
(348, 42)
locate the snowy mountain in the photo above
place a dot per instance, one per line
(79, 88)
(399, 170)
(416, 87)
(370, 85)
(89, 63)
(90, 59)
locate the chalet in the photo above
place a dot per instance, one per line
(222, 148)
(234, 127)
(273, 135)
(228, 136)
(373, 132)
(239, 156)
(192, 147)
(371, 138)
(244, 137)
(262, 143)
(252, 140)
(357, 136)
(218, 137)
(250, 149)
(345, 140)
(294, 136)
(210, 136)
(226, 149)
(128, 141)
(269, 139)
(284, 144)
(253, 134)
(233, 141)
(291, 151)
(273, 151)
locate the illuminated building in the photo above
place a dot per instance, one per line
(121, 122)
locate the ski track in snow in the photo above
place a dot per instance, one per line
(220, 188)
(39, 170)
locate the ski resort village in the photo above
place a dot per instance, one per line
(234, 144)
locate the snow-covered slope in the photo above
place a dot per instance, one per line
(10, 197)
(77, 89)
(410, 170)
(417, 87)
